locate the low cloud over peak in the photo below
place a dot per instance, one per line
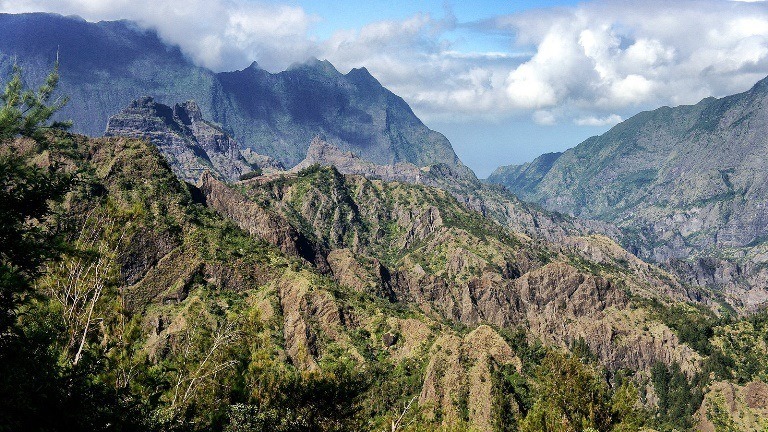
(585, 65)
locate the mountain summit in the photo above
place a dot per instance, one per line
(106, 65)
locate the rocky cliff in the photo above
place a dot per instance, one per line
(417, 245)
(106, 65)
(684, 184)
(190, 144)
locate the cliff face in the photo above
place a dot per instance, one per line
(279, 114)
(412, 244)
(685, 185)
(106, 65)
(191, 144)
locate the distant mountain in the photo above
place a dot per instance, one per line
(281, 113)
(191, 144)
(106, 65)
(687, 185)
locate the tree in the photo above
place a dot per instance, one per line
(39, 389)
(27, 190)
(29, 186)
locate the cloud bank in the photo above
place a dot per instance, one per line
(588, 65)
(217, 34)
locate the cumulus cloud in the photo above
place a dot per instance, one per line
(628, 55)
(544, 118)
(586, 65)
(609, 120)
(218, 34)
(589, 64)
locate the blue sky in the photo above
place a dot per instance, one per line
(504, 80)
(336, 14)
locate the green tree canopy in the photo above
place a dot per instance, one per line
(27, 189)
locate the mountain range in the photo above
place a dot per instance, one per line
(297, 251)
(105, 66)
(685, 185)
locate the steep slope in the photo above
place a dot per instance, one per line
(417, 245)
(490, 201)
(352, 111)
(683, 183)
(190, 144)
(343, 303)
(106, 65)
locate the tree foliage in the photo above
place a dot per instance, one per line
(679, 397)
(39, 392)
(27, 190)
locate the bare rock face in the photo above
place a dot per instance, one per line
(191, 144)
(268, 165)
(746, 407)
(322, 153)
(260, 222)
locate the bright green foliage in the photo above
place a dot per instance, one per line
(26, 112)
(180, 321)
(679, 397)
(574, 396)
(718, 414)
(742, 349)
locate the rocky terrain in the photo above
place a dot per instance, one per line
(417, 245)
(106, 65)
(228, 288)
(189, 143)
(187, 281)
(684, 184)
(489, 200)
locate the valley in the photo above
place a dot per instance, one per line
(298, 251)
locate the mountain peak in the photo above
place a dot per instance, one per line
(323, 66)
(190, 144)
(761, 86)
(188, 112)
(362, 76)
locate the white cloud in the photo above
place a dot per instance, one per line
(218, 34)
(544, 118)
(609, 120)
(588, 64)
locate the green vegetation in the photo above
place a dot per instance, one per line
(679, 397)
(127, 306)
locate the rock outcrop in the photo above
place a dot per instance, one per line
(260, 222)
(458, 381)
(191, 144)
(322, 153)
